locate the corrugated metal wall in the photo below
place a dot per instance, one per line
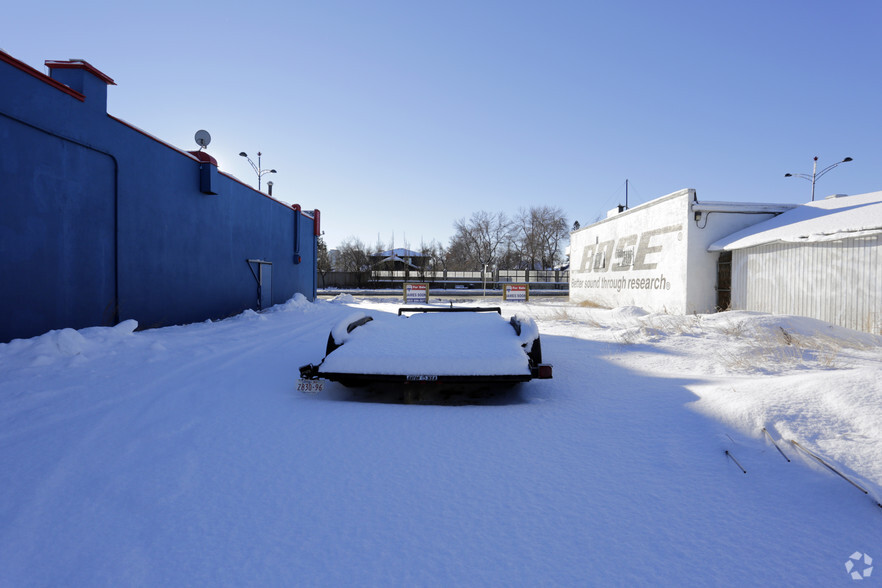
(838, 281)
(100, 222)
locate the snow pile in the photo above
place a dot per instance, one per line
(833, 413)
(63, 344)
(298, 303)
(343, 299)
(800, 378)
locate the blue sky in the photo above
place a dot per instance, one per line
(397, 118)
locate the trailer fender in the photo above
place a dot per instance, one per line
(340, 333)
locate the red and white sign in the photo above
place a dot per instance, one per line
(416, 293)
(516, 293)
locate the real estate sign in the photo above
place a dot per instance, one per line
(516, 292)
(416, 293)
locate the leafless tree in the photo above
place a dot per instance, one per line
(437, 255)
(429, 259)
(355, 257)
(479, 241)
(539, 234)
(456, 256)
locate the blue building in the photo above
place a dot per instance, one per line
(100, 222)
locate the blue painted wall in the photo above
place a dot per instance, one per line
(101, 223)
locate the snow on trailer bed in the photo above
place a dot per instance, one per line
(434, 344)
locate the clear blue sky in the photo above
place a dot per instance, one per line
(399, 117)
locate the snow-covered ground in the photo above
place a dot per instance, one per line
(185, 456)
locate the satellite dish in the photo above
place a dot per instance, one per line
(202, 139)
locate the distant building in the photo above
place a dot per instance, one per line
(334, 258)
(675, 254)
(821, 260)
(102, 222)
(397, 259)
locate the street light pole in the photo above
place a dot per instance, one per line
(816, 175)
(257, 169)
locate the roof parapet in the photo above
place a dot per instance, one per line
(81, 76)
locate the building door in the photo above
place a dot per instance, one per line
(724, 281)
(264, 278)
(265, 285)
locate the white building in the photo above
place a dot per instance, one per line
(656, 255)
(821, 260)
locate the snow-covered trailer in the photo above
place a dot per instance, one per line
(437, 347)
(655, 255)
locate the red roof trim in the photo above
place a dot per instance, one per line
(7, 58)
(203, 157)
(264, 194)
(80, 64)
(148, 135)
(191, 154)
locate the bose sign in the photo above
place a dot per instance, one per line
(635, 258)
(609, 256)
(655, 255)
(641, 252)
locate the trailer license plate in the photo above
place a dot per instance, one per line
(422, 378)
(310, 386)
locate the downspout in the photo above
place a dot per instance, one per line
(115, 203)
(297, 213)
(316, 233)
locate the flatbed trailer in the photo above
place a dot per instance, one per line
(432, 346)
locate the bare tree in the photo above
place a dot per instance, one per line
(532, 240)
(437, 255)
(379, 247)
(456, 256)
(557, 234)
(512, 257)
(429, 259)
(540, 231)
(355, 257)
(479, 241)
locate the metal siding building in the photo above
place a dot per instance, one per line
(101, 222)
(822, 260)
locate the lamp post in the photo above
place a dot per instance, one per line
(257, 169)
(816, 175)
